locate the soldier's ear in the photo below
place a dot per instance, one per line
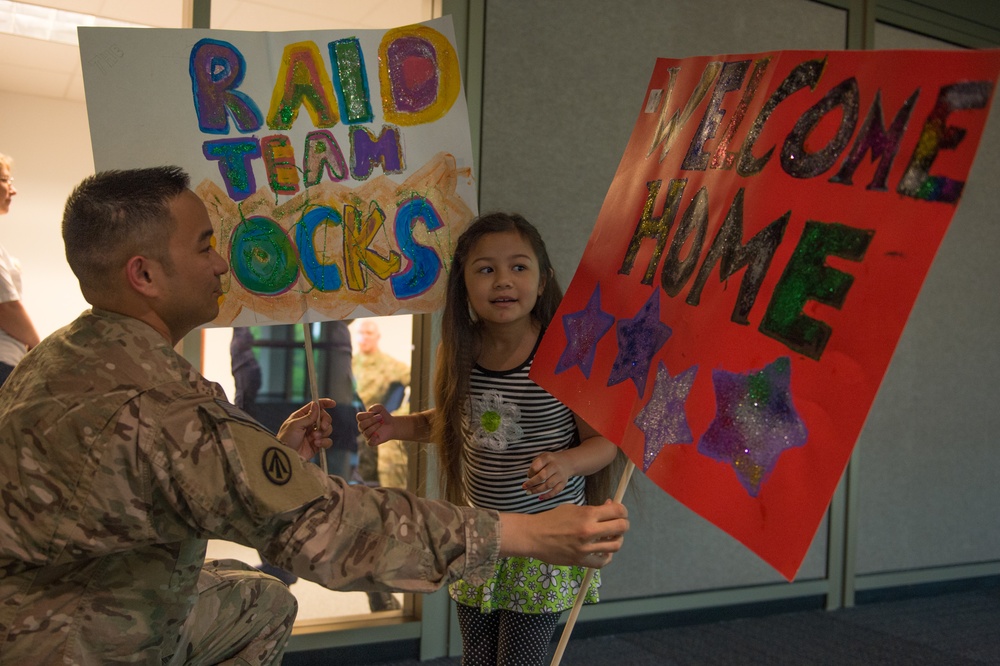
(141, 273)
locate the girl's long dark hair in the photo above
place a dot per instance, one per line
(461, 342)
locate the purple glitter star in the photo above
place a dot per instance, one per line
(583, 329)
(755, 422)
(663, 420)
(639, 339)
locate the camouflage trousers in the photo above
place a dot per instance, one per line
(242, 617)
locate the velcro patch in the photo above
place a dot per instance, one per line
(277, 466)
(273, 477)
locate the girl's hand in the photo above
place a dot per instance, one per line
(308, 429)
(377, 425)
(548, 474)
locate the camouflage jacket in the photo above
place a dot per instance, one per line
(374, 373)
(118, 460)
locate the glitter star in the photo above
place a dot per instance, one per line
(663, 421)
(583, 329)
(639, 339)
(755, 422)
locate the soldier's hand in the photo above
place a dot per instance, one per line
(308, 429)
(377, 425)
(569, 534)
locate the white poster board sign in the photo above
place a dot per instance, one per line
(336, 166)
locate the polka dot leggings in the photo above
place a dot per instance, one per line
(505, 638)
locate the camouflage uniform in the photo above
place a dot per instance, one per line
(374, 373)
(118, 460)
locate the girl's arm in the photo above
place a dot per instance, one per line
(550, 472)
(378, 425)
(14, 320)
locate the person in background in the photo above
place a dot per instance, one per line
(246, 370)
(505, 443)
(381, 378)
(127, 460)
(17, 332)
(376, 373)
(340, 386)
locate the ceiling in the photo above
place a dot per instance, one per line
(47, 69)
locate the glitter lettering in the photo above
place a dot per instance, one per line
(807, 277)
(667, 131)
(360, 232)
(805, 74)
(323, 156)
(917, 182)
(369, 151)
(800, 163)
(419, 75)
(728, 251)
(234, 157)
(654, 226)
(350, 81)
(217, 69)
(676, 271)
(279, 163)
(729, 80)
(883, 143)
(424, 263)
(302, 81)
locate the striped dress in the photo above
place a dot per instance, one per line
(510, 421)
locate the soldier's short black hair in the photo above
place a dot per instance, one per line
(114, 215)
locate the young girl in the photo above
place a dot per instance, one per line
(505, 442)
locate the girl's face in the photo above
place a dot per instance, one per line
(502, 278)
(7, 190)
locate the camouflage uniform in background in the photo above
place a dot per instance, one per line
(118, 461)
(374, 373)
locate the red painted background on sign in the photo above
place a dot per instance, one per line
(820, 184)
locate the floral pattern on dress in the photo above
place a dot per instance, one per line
(495, 422)
(526, 585)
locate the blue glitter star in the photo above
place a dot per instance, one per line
(663, 421)
(639, 339)
(583, 330)
(754, 423)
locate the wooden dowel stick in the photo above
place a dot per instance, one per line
(313, 384)
(582, 593)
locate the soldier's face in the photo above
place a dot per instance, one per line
(368, 336)
(194, 288)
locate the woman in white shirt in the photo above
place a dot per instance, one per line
(17, 333)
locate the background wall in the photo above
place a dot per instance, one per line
(928, 457)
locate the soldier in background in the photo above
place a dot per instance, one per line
(118, 461)
(381, 379)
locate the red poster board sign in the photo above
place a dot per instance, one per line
(753, 266)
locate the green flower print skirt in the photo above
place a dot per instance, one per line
(526, 585)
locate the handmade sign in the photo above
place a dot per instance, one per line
(336, 166)
(753, 266)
